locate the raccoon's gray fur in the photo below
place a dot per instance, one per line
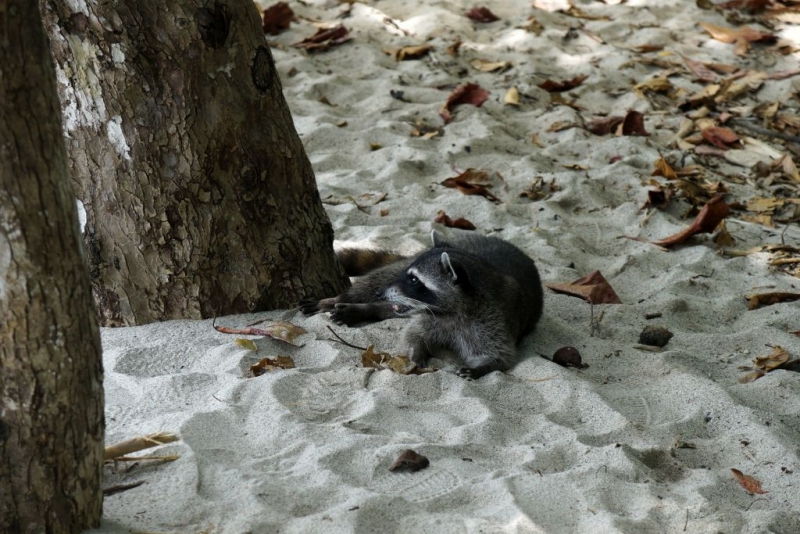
(474, 295)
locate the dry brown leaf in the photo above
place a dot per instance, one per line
(452, 50)
(777, 358)
(482, 14)
(732, 35)
(461, 222)
(659, 84)
(749, 483)
(324, 39)
(700, 70)
(471, 182)
(706, 221)
(593, 288)
(755, 301)
(559, 87)
(633, 124)
(400, 364)
(277, 17)
(721, 137)
(484, 65)
(662, 168)
(267, 365)
(512, 97)
(533, 26)
(468, 93)
(409, 52)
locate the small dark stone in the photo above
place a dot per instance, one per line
(410, 460)
(398, 95)
(655, 336)
(569, 357)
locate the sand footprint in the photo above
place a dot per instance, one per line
(417, 487)
(321, 397)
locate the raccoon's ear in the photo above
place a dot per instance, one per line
(436, 239)
(453, 270)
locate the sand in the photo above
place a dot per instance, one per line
(638, 442)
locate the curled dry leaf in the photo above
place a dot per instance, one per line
(540, 189)
(267, 365)
(631, 124)
(593, 288)
(482, 14)
(461, 222)
(733, 35)
(324, 39)
(512, 97)
(700, 70)
(421, 129)
(755, 301)
(400, 364)
(409, 52)
(559, 87)
(277, 17)
(662, 168)
(472, 182)
(468, 93)
(280, 330)
(721, 137)
(410, 460)
(706, 221)
(747, 482)
(484, 65)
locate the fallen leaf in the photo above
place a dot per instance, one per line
(482, 14)
(421, 129)
(490, 66)
(375, 146)
(470, 182)
(324, 39)
(664, 169)
(721, 137)
(789, 168)
(755, 301)
(659, 198)
(604, 126)
(633, 124)
(732, 35)
(461, 222)
(593, 288)
(280, 330)
(400, 364)
(540, 189)
(659, 84)
(777, 358)
(248, 344)
(749, 483)
(700, 70)
(267, 365)
(533, 26)
(580, 14)
(512, 97)
(410, 460)
(452, 50)
(469, 93)
(559, 87)
(277, 17)
(706, 221)
(409, 52)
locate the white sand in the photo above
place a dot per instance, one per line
(541, 448)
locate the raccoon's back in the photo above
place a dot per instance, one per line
(358, 261)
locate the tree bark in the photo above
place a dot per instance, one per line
(199, 198)
(51, 394)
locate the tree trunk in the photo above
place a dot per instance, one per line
(199, 198)
(51, 394)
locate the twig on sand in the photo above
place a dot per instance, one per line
(139, 443)
(121, 487)
(342, 341)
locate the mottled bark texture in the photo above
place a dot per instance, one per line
(51, 394)
(199, 197)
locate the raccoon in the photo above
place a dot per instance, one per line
(474, 295)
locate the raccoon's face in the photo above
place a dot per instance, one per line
(429, 283)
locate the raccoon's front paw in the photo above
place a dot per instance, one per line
(309, 305)
(346, 314)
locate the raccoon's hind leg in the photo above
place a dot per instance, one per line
(499, 356)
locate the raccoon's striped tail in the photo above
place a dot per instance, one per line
(359, 261)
